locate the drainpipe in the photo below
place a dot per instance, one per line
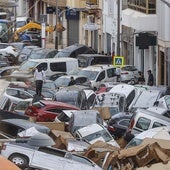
(56, 33)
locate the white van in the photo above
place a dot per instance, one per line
(143, 120)
(51, 66)
(98, 74)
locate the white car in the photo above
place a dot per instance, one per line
(10, 50)
(95, 132)
(98, 74)
(28, 154)
(129, 73)
(156, 133)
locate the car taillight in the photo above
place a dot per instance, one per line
(3, 147)
(124, 73)
(132, 122)
(111, 128)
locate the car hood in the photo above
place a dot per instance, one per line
(20, 73)
(112, 142)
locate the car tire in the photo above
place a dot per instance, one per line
(20, 160)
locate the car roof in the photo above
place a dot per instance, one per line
(75, 76)
(25, 124)
(151, 113)
(56, 103)
(92, 128)
(92, 55)
(5, 21)
(62, 59)
(125, 89)
(79, 113)
(158, 110)
(152, 132)
(98, 67)
(42, 50)
(72, 47)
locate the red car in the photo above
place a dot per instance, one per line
(44, 110)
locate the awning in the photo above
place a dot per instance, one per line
(91, 27)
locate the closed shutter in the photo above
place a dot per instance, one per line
(108, 43)
(73, 32)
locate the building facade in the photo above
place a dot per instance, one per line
(143, 35)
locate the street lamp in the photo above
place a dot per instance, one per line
(56, 33)
(118, 27)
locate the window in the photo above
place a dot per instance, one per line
(157, 124)
(101, 76)
(143, 123)
(55, 110)
(6, 128)
(12, 92)
(167, 114)
(24, 95)
(124, 122)
(144, 6)
(43, 65)
(111, 72)
(91, 100)
(60, 67)
(81, 80)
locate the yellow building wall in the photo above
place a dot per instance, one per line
(76, 3)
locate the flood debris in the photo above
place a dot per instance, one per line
(148, 153)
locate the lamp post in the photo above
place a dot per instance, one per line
(56, 33)
(118, 27)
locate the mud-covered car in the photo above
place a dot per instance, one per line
(28, 154)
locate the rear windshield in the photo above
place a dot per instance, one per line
(63, 54)
(38, 104)
(86, 61)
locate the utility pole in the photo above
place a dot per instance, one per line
(118, 27)
(56, 33)
(168, 53)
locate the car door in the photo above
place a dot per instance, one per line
(81, 80)
(111, 75)
(17, 93)
(100, 78)
(39, 157)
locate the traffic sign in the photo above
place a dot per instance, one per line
(118, 61)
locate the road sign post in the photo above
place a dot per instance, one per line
(118, 61)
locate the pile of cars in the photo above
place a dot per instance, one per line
(71, 124)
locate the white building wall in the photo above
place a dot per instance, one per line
(139, 21)
(163, 21)
(110, 22)
(21, 9)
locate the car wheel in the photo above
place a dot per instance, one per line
(20, 160)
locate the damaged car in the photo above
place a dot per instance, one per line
(37, 149)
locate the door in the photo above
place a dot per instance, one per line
(73, 32)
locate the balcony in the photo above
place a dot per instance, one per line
(61, 3)
(92, 4)
(76, 3)
(144, 6)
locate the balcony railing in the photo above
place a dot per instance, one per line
(92, 4)
(144, 6)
